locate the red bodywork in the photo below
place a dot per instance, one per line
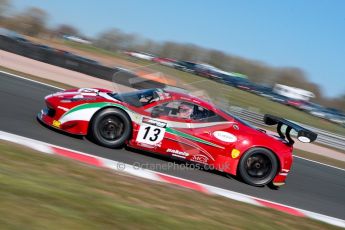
(163, 60)
(294, 103)
(187, 139)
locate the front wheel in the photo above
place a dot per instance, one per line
(258, 166)
(111, 128)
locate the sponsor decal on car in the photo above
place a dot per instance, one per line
(303, 139)
(225, 136)
(63, 108)
(200, 159)
(191, 137)
(235, 153)
(78, 96)
(178, 153)
(56, 123)
(154, 122)
(151, 131)
(88, 90)
(83, 99)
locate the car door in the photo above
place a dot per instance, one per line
(190, 131)
(166, 128)
(217, 132)
(178, 131)
(159, 129)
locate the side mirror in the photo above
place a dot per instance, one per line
(157, 111)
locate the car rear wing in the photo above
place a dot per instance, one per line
(303, 135)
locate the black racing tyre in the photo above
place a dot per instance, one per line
(258, 166)
(111, 128)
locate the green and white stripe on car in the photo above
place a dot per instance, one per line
(191, 137)
(85, 112)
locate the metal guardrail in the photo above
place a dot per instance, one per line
(71, 61)
(324, 137)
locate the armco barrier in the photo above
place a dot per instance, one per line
(56, 57)
(324, 137)
(70, 61)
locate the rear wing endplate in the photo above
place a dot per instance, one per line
(303, 135)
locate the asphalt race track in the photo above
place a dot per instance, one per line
(310, 186)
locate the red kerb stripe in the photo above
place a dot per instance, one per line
(281, 208)
(183, 183)
(77, 156)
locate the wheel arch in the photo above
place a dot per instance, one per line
(263, 147)
(104, 108)
(260, 147)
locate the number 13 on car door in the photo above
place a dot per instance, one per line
(151, 131)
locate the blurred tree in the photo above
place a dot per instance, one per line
(66, 30)
(31, 22)
(341, 102)
(115, 39)
(191, 52)
(338, 103)
(216, 58)
(295, 77)
(147, 45)
(169, 49)
(5, 6)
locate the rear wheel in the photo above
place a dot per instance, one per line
(111, 128)
(258, 166)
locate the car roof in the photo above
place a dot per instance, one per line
(176, 93)
(184, 95)
(187, 96)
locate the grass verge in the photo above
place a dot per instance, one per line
(45, 192)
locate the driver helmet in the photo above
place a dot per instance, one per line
(185, 110)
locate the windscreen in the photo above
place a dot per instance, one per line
(140, 98)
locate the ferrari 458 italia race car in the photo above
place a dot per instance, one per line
(177, 125)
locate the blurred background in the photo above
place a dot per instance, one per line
(99, 46)
(249, 57)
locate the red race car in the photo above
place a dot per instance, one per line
(178, 125)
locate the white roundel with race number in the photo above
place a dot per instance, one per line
(150, 134)
(151, 131)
